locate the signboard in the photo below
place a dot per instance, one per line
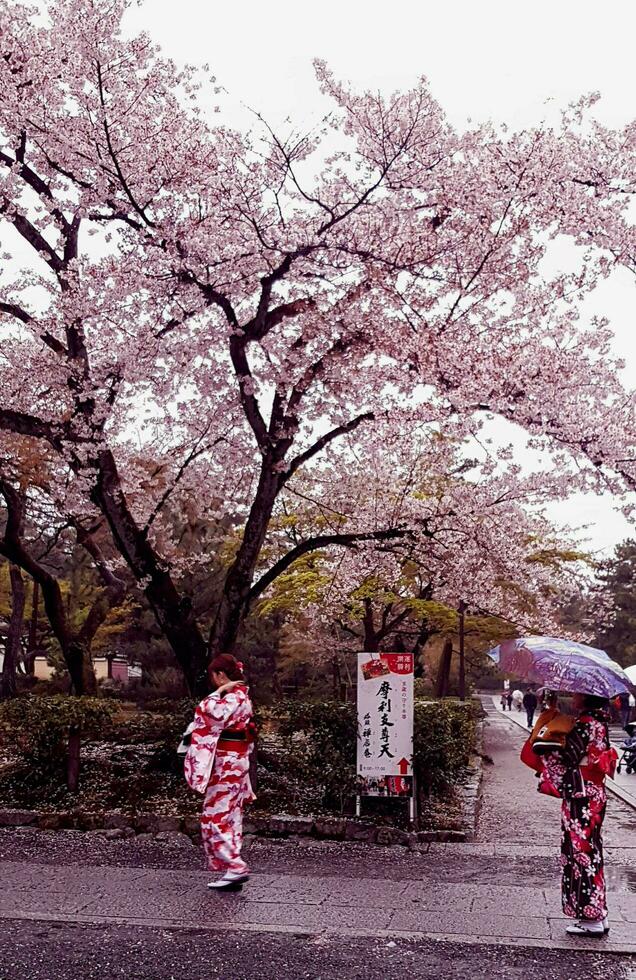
(385, 724)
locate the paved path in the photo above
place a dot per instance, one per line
(483, 909)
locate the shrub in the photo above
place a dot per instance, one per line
(443, 739)
(310, 762)
(38, 727)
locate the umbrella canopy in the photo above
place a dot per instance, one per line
(562, 665)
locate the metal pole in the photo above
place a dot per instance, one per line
(413, 807)
(462, 661)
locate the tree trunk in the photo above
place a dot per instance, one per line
(173, 611)
(443, 670)
(14, 636)
(462, 653)
(422, 638)
(371, 640)
(78, 659)
(32, 642)
(234, 600)
(73, 758)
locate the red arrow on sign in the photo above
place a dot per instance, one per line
(403, 766)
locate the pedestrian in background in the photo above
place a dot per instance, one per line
(509, 700)
(530, 703)
(517, 697)
(503, 701)
(625, 709)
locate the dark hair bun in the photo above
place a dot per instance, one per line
(226, 664)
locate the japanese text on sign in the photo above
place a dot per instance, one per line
(385, 715)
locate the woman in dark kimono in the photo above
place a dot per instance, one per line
(578, 772)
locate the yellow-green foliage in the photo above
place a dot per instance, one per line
(555, 557)
(116, 623)
(303, 584)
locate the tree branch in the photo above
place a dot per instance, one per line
(314, 544)
(320, 444)
(12, 309)
(249, 400)
(12, 547)
(340, 346)
(35, 239)
(29, 425)
(111, 150)
(197, 450)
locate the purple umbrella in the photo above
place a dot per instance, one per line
(562, 665)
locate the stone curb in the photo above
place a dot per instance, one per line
(115, 825)
(471, 789)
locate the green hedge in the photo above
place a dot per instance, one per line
(310, 762)
(38, 727)
(306, 753)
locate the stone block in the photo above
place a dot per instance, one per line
(118, 833)
(173, 838)
(156, 823)
(89, 821)
(451, 836)
(18, 818)
(117, 821)
(285, 824)
(50, 821)
(165, 824)
(356, 830)
(143, 823)
(192, 826)
(330, 829)
(427, 836)
(385, 836)
(256, 825)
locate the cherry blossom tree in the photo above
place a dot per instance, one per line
(35, 538)
(259, 297)
(477, 540)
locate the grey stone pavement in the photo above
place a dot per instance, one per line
(76, 906)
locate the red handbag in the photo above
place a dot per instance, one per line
(530, 758)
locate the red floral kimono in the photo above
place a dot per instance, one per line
(578, 774)
(220, 770)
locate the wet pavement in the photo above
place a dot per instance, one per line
(77, 906)
(70, 952)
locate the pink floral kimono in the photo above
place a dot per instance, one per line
(218, 767)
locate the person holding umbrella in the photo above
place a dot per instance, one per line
(577, 770)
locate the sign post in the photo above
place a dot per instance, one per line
(385, 727)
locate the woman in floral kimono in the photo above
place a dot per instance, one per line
(217, 765)
(577, 772)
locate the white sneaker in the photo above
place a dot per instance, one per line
(588, 927)
(230, 881)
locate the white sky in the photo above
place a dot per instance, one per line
(495, 60)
